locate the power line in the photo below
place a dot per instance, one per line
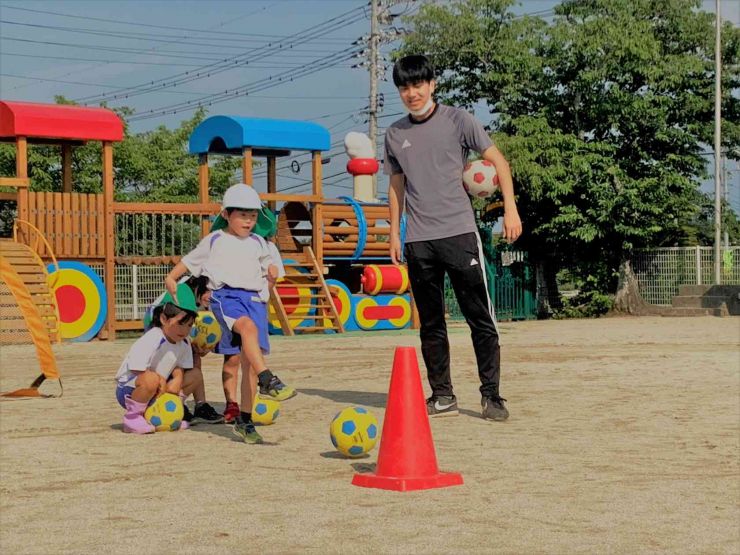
(164, 53)
(149, 25)
(230, 20)
(192, 93)
(102, 62)
(184, 54)
(209, 70)
(158, 37)
(256, 86)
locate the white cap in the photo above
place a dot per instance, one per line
(241, 196)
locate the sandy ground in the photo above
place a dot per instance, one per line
(624, 438)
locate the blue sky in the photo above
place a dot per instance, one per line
(129, 43)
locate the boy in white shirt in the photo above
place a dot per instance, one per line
(236, 263)
(231, 365)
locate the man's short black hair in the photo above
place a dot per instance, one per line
(412, 69)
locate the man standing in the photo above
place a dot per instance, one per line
(425, 154)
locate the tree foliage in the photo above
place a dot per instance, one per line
(604, 112)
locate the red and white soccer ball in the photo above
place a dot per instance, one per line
(480, 179)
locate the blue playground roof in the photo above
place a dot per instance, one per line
(274, 137)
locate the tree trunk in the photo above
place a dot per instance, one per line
(548, 296)
(628, 299)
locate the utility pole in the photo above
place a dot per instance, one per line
(373, 106)
(717, 143)
(726, 197)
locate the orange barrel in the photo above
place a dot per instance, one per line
(384, 279)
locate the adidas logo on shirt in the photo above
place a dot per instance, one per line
(406, 144)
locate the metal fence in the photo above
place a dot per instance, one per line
(660, 271)
(156, 234)
(511, 284)
(511, 280)
(137, 286)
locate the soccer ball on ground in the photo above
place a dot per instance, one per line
(354, 431)
(165, 413)
(480, 179)
(206, 332)
(265, 411)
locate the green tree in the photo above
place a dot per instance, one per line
(603, 111)
(155, 166)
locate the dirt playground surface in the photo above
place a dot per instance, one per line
(623, 438)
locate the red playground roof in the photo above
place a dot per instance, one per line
(56, 121)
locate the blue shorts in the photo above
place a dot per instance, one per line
(228, 304)
(123, 391)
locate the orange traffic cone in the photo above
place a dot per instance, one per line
(406, 460)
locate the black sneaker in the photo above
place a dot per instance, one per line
(207, 414)
(442, 405)
(187, 416)
(493, 408)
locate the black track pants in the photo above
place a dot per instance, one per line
(461, 257)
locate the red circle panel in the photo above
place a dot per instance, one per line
(71, 303)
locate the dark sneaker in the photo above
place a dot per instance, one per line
(187, 415)
(247, 432)
(207, 414)
(276, 389)
(442, 405)
(493, 408)
(231, 412)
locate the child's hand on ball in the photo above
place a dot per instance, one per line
(162, 386)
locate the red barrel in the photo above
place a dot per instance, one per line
(384, 279)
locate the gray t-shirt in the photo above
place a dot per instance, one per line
(432, 155)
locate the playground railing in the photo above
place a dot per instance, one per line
(158, 230)
(28, 234)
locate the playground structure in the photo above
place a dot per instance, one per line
(71, 225)
(317, 237)
(131, 245)
(28, 308)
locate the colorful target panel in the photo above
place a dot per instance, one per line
(81, 298)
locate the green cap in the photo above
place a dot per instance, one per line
(266, 225)
(185, 299)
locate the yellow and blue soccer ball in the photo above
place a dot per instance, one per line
(265, 411)
(206, 332)
(165, 413)
(354, 431)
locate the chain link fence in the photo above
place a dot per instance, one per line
(660, 271)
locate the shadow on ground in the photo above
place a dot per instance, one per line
(365, 398)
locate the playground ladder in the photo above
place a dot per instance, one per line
(32, 271)
(305, 272)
